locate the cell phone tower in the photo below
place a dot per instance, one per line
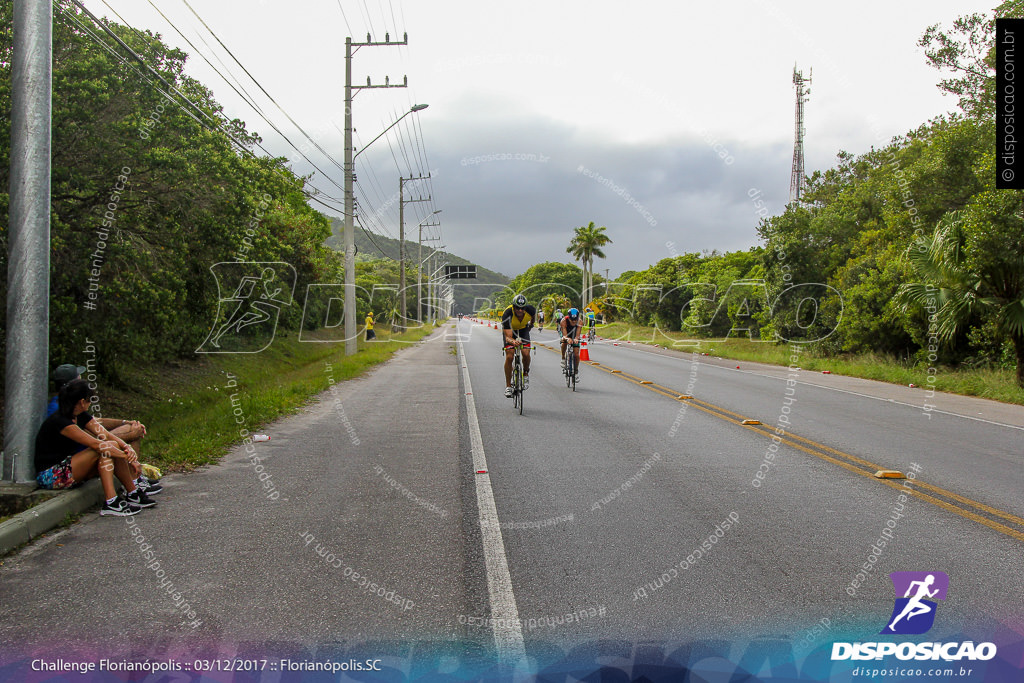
(796, 180)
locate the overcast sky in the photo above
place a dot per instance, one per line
(657, 121)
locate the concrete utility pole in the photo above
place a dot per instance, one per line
(402, 201)
(350, 237)
(419, 261)
(28, 251)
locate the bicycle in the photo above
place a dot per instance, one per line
(570, 365)
(517, 380)
(591, 335)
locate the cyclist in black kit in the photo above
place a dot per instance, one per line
(572, 329)
(516, 323)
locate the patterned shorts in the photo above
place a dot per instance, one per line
(57, 477)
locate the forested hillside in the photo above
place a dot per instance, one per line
(377, 263)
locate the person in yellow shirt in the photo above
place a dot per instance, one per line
(516, 323)
(369, 327)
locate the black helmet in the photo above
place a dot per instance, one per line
(519, 301)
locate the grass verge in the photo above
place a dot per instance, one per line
(998, 385)
(190, 408)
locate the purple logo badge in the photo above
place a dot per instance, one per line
(916, 595)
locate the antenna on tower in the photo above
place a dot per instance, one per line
(797, 185)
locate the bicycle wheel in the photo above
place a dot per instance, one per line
(515, 385)
(521, 392)
(517, 381)
(569, 362)
(575, 369)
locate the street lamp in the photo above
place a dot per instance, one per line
(419, 269)
(350, 249)
(414, 108)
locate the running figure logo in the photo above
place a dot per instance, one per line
(247, 319)
(914, 612)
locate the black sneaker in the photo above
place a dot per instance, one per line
(119, 508)
(139, 499)
(150, 488)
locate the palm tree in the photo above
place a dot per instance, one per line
(585, 245)
(959, 294)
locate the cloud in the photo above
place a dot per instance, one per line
(515, 185)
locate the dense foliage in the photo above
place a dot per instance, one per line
(908, 249)
(148, 192)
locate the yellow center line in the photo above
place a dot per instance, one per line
(849, 462)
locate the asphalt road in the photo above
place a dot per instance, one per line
(617, 512)
(802, 535)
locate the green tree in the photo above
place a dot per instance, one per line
(147, 193)
(965, 272)
(584, 246)
(546, 285)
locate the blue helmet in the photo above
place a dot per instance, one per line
(574, 313)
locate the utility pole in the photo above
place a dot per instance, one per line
(402, 201)
(419, 265)
(28, 250)
(796, 178)
(350, 237)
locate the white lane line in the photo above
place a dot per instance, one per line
(508, 635)
(841, 391)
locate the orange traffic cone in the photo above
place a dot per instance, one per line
(584, 354)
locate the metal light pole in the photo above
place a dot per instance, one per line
(350, 265)
(28, 254)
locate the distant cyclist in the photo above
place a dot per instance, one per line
(591, 320)
(571, 329)
(540, 319)
(558, 321)
(516, 323)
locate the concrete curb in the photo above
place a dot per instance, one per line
(31, 523)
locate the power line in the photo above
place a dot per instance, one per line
(349, 27)
(269, 96)
(141, 61)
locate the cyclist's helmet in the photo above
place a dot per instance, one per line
(574, 313)
(519, 301)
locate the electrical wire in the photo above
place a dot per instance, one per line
(248, 99)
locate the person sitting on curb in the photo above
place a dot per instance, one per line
(131, 431)
(73, 447)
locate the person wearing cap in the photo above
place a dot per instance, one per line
(370, 334)
(131, 431)
(61, 376)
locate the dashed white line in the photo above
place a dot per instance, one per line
(508, 635)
